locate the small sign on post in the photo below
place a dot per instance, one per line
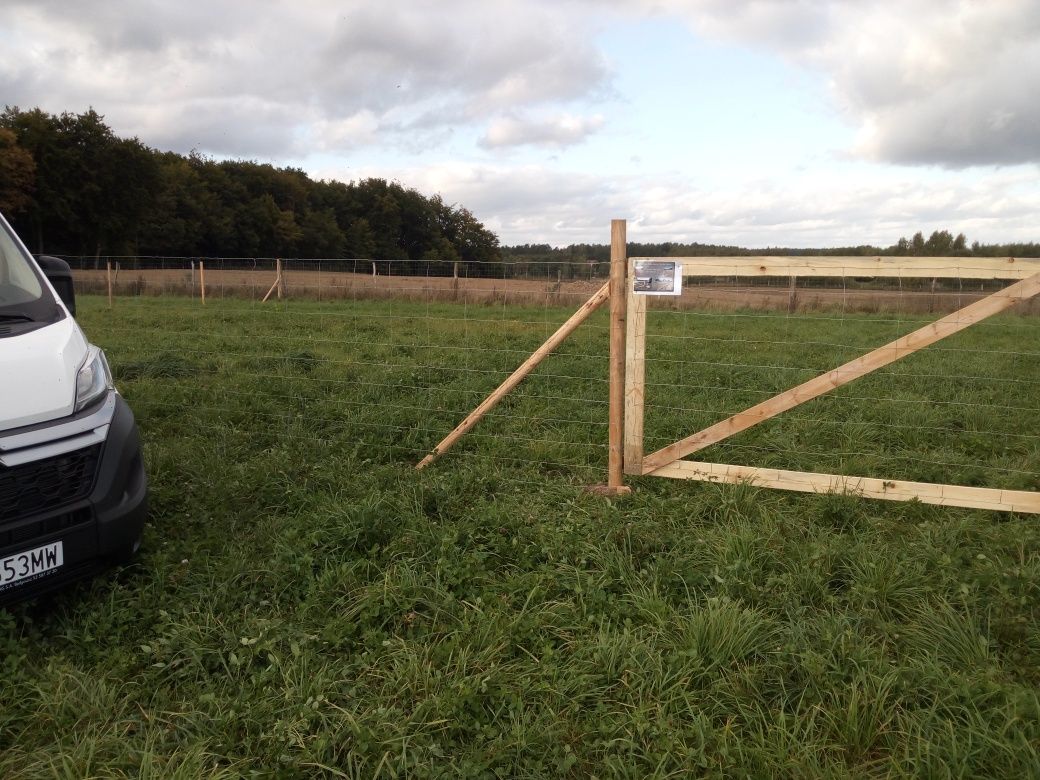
(657, 277)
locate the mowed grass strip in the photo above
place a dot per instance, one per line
(306, 604)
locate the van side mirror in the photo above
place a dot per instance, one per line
(59, 275)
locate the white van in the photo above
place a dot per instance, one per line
(73, 492)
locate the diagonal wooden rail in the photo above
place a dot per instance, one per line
(598, 299)
(861, 366)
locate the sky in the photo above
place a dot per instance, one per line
(749, 122)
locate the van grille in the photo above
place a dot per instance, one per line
(46, 484)
(22, 534)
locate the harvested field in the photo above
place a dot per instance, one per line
(330, 285)
(714, 296)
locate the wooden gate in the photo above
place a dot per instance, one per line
(671, 461)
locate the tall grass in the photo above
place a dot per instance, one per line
(306, 604)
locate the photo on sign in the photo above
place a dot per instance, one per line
(657, 277)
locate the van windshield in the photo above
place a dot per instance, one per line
(23, 295)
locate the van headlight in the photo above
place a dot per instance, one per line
(94, 379)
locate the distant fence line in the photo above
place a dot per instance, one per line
(363, 279)
(505, 269)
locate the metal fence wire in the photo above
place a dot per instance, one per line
(390, 356)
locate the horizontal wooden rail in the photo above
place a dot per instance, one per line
(868, 487)
(883, 267)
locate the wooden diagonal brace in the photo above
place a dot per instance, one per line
(598, 299)
(861, 366)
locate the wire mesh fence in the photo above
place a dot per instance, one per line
(564, 284)
(384, 358)
(975, 395)
(387, 357)
(772, 390)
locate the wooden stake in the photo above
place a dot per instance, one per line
(202, 280)
(517, 376)
(635, 375)
(108, 277)
(616, 430)
(868, 487)
(278, 284)
(861, 366)
(273, 288)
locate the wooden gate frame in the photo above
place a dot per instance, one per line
(669, 461)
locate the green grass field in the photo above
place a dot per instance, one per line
(306, 604)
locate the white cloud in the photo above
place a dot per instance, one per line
(946, 82)
(325, 70)
(940, 82)
(558, 131)
(360, 129)
(541, 204)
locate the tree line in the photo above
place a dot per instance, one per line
(587, 260)
(71, 186)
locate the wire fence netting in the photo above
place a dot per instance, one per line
(387, 357)
(960, 411)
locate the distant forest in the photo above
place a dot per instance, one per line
(71, 186)
(594, 259)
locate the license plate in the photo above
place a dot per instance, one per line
(30, 564)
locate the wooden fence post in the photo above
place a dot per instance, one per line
(616, 428)
(279, 284)
(202, 280)
(108, 277)
(635, 375)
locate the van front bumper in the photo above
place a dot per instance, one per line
(78, 481)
